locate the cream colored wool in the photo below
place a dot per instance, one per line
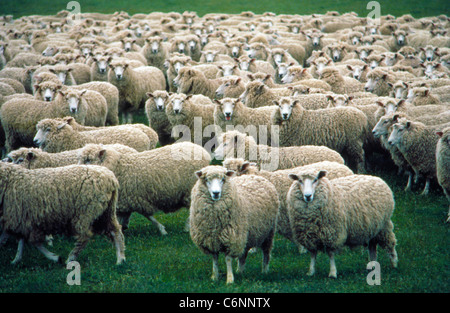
(341, 129)
(60, 136)
(231, 87)
(257, 94)
(234, 143)
(443, 163)
(151, 181)
(244, 217)
(173, 64)
(155, 109)
(354, 210)
(282, 182)
(75, 200)
(340, 84)
(192, 81)
(19, 117)
(378, 81)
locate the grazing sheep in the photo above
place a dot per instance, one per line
(19, 116)
(155, 109)
(151, 181)
(196, 119)
(342, 129)
(231, 216)
(270, 158)
(443, 163)
(327, 215)
(56, 135)
(282, 183)
(75, 200)
(417, 142)
(133, 85)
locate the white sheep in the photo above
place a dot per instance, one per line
(326, 215)
(443, 163)
(231, 216)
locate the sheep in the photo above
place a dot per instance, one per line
(19, 116)
(99, 68)
(443, 163)
(155, 109)
(257, 94)
(412, 111)
(151, 181)
(423, 96)
(282, 183)
(417, 142)
(358, 72)
(349, 211)
(231, 87)
(399, 90)
(230, 113)
(213, 56)
(196, 120)
(253, 65)
(133, 84)
(258, 51)
(155, 52)
(73, 200)
(33, 158)
(193, 81)
(271, 158)
(378, 81)
(342, 129)
(232, 215)
(57, 135)
(340, 84)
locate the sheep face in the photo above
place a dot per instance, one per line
(236, 49)
(44, 129)
(338, 100)
(315, 39)
(228, 70)
(119, 69)
(177, 102)
(321, 63)
(278, 55)
(282, 69)
(398, 130)
(383, 125)
(102, 63)
(229, 143)
(192, 44)
(128, 44)
(399, 89)
(74, 100)
(400, 37)
(308, 184)
(214, 180)
(430, 53)
(227, 107)
(227, 83)
(372, 82)
(61, 74)
(48, 52)
(357, 70)
(154, 46)
(390, 58)
(285, 105)
(363, 52)
(48, 90)
(336, 53)
(160, 100)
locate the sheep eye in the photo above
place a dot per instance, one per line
(48, 129)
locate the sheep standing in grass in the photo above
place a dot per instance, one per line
(327, 215)
(231, 216)
(133, 85)
(75, 200)
(417, 143)
(443, 163)
(151, 181)
(343, 129)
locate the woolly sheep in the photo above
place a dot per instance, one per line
(340, 84)
(235, 143)
(299, 126)
(74, 200)
(192, 81)
(151, 181)
(231, 87)
(19, 116)
(257, 94)
(327, 215)
(231, 216)
(133, 85)
(155, 52)
(443, 163)
(378, 81)
(155, 109)
(56, 135)
(282, 182)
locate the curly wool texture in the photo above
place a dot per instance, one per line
(19, 118)
(243, 218)
(61, 136)
(151, 181)
(342, 129)
(257, 94)
(157, 117)
(340, 84)
(285, 157)
(32, 158)
(76, 200)
(443, 162)
(191, 81)
(282, 183)
(348, 211)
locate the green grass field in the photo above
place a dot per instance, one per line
(173, 264)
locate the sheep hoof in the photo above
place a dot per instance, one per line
(332, 275)
(310, 273)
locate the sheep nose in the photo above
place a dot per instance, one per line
(308, 198)
(159, 107)
(155, 51)
(102, 70)
(428, 59)
(366, 88)
(390, 142)
(216, 195)
(285, 116)
(48, 98)
(181, 50)
(36, 142)
(336, 58)
(176, 111)
(356, 77)
(119, 76)
(73, 110)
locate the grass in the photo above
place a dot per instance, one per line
(172, 264)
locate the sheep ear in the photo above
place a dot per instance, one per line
(293, 176)
(390, 85)
(350, 67)
(330, 98)
(102, 154)
(401, 103)
(149, 94)
(230, 173)
(61, 125)
(321, 174)
(30, 156)
(439, 134)
(188, 97)
(408, 124)
(276, 102)
(198, 174)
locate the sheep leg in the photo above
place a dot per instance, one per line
(426, 190)
(333, 270)
(242, 259)
(312, 264)
(387, 241)
(19, 253)
(230, 277)
(267, 248)
(372, 250)
(124, 219)
(215, 268)
(3, 238)
(49, 255)
(158, 225)
(410, 179)
(79, 246)
(120, 245)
